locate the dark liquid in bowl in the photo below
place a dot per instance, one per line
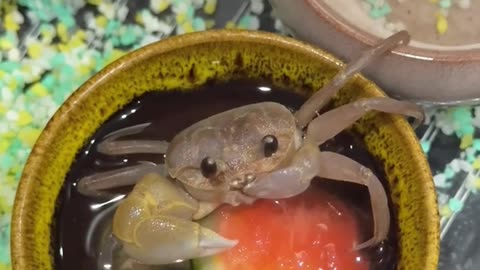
(75, 246)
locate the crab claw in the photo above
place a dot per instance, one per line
(155, 225)
(165, 240)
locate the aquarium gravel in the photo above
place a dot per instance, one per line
(48, 48)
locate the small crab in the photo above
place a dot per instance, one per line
(257, 151)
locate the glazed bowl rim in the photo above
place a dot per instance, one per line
(368, 39)
(22, 204)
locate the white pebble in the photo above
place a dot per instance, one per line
(49, 107)
(33, 18)
(254, 23)
(447, 130)
(465, 166)
(36, 68)
(6, 95)
(455, 165)
(39, 115)
(97, 44)
(13, 54)
(179, 30)
(180, 8)
(440, 180)
(155, 5)
(445, 123)
(442, 198)
(28, 77)
(257, 6)
(150, 22)
(470, 182)
(107, 10)
(72, 59)
(51, 111)
(11, 116)
(18, 17)
(90, 20)
(122, 13)
(153, 24)
(278, 25)
(441, 116)
(28, 40)
(165, 28)
(147, 39)
(470, 151)
(89, 36)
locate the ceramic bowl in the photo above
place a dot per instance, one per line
(420, 73)
(220, 55)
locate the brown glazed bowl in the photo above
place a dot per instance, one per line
(418, 72)
(189, 61)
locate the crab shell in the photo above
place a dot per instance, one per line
(234, 140)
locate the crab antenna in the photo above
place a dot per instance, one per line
(308, 110)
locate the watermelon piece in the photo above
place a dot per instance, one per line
(314, 230)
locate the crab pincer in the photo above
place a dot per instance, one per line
(155, 224)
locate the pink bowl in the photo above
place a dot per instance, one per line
(427, 76)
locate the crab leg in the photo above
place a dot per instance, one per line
(132, 147)
(308, 163)
(93, 185)
(105, 256)
(155, 225)
(342, 168)
(321, 97)
(344, 116)
(110, 146)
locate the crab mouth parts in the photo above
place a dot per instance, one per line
(238, 183)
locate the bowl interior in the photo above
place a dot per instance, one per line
(192, 60)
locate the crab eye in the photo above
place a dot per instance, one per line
(270, 145)
(208, 167)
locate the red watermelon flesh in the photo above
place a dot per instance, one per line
(314, 230)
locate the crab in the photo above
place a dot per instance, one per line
(256, 151)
